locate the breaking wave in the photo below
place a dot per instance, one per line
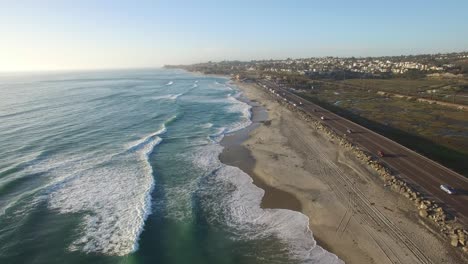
(237, 208)
(113, 197)
(105, 179)
(237, 202)
(237, 106)
(167, 97)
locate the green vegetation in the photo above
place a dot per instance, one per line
(380, 93)
(447, 90)
(436, 131)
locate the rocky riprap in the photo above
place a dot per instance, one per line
(427, 209)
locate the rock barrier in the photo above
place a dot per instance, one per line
(426, 208)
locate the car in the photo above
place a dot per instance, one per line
(322, 117)
(349, 131)
(447, 188)
(381, 153)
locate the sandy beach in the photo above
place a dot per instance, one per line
(351, 213)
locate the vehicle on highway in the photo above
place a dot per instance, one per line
(381, 153)
(447, 188)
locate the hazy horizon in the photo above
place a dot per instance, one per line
(64, 36)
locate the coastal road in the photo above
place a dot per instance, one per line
(423, 174)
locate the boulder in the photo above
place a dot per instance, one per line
(423, 213)
(422, 206)
(462, 242)
(442, 217)
(461, 238)
(454, 242)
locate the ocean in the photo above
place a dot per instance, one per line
(122, 167)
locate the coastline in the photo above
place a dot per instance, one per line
(237, 155)
(302, 170)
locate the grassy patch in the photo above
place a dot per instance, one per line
(447, 90)
(435, 131)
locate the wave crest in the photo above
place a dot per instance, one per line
(113, 197)
(237, 208)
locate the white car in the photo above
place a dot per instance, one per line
(448, 189)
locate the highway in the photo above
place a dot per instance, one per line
(421, 173)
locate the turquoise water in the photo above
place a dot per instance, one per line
(122, 167)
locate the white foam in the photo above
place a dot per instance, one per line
(113, 197)
(206, 157)
(148, 138)
(223, 86)
(243, 108)
(59, 166)
(167, 97)
(218, 135)
(178, 200)
(207, 125)
(237, 203)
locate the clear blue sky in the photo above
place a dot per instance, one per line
(50, 35)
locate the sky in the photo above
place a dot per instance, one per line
(103, 34)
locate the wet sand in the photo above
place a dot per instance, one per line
(351, 214)
(235, 154)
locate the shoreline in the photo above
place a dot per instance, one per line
(237, 155)
(304, 171)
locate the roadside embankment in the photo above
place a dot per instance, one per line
(357, 208)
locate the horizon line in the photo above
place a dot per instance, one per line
(206, 61)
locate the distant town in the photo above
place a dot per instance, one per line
(417, 100)
(412, 66)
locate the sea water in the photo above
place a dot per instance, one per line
(122, 167)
